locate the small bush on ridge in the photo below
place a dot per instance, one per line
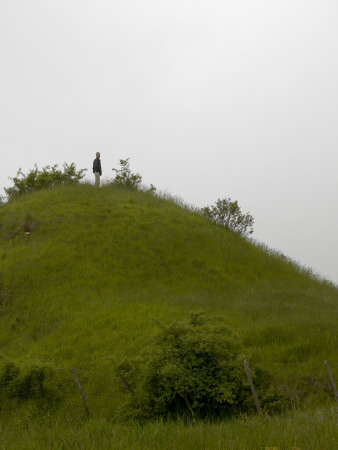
(125, 177)
(48, 176)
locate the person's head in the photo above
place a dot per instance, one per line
(98, 154)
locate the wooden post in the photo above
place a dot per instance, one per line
(81, 391)
(333, 384)
(125, 383)
(248, 374)
(189, 406)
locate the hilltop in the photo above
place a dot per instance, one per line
(87, 275)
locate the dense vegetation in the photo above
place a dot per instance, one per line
(195, 365)
(47, 177)
(87, 276)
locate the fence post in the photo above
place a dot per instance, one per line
(248, 374)
(81, 391)
(189, 406)
(125, 383)
(333, 384)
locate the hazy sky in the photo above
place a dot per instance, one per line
(209, 99)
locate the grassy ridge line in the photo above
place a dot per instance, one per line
(102, 264)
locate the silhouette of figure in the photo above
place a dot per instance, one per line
(97, 171)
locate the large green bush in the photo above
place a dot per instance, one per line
(195, 367)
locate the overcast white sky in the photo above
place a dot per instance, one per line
(209, 99)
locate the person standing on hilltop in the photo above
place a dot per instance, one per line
(97, 171)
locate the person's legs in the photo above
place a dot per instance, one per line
(97, 179)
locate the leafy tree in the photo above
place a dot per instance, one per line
(195, 367)
(125, 177)
(48, 176)
(229, 215)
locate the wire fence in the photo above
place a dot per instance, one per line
(307, 379)
(295, 378)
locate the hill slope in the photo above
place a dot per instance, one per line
(84, 287)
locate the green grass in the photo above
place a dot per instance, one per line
(100, 270)
(303, 430)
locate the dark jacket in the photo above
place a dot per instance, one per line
(97, 165)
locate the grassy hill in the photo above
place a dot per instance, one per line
(100, 269)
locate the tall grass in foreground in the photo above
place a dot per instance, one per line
(305, 430)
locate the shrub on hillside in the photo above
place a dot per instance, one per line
(35, 384)
(229, 215)
(48, 176)
(125, 177)
(194, 367)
